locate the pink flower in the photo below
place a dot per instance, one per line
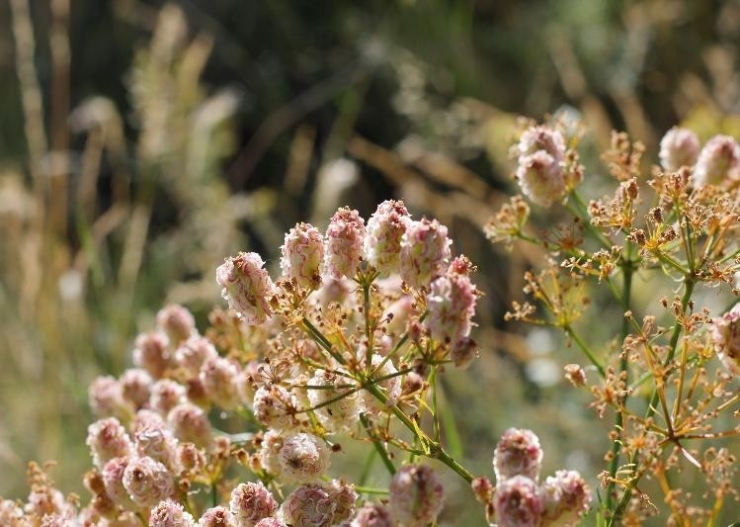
(190, 423)
(250, 502)
(303, 458)
(168, 513)
(725, 332)
(425, 251)
(247, 287)
(517, 453)
(177, 323)
(566, 497)
(719, 161)
(372, 515)
(166, 394)
(416, 495)
(192, 353)
(218, 516)
(542, 138)
(451, 306)
(518, 503)
(147, 481)
(383, 235)
(276, 407)
(107, 439)
(112, 475)
(541, 178)
(152, 353)
(678, 148)
(343, 244)
(106, 399)
(135, 387)
(310, 505)
(220, 377)
(303, 254)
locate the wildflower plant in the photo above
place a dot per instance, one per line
(669, 387)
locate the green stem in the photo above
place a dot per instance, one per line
(378, 447)
(586, 351)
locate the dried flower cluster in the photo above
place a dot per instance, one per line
(668, 387)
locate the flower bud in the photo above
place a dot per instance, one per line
(566, 497)
(343, 246)
(220, 377)
(189, 423)
(725, 331)
(541, 178)
(309, 505)
(303, 254)
(147, 481)
(678, 148)
(136, 386)
(107, 439)
(176, 322)
(344, 497)
(719, 161)
(152, 354)
(166, 394)
(517, 453)
(112, 475)
(250, 502)
(384, 232)
(168, 513)
(218, 516)
(246, 286)
(191, 461)
(425, 251)
(303, 458)
(158, 443)
(106, 399)
(416, 495)
(518, 503)
(269, 452)
(192, 353)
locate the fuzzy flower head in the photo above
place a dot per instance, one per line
(678, 148)
(542, 138)
(152, 353)
(416, 495)
(136, 386)
(310, 505)
(192, 353)
(335, 413)
(106, 399)
(276, 407)
(725, 332)
(190, 423)
(343, 245)
(247, 287)
(250, 502)
(518, 503)
(112, 475)
(220, 379)
(372, 515)
(303, 254)
(451, 305)
(107, 439)
(517, 453)
(147, 481)
(166, 394)
(425, 251)
(218, 516)
(541, 178)
(177, 323)
(384, 232)
(169, 513)
(566, 497)
(718, 163)
(158, 443)
(303, 458)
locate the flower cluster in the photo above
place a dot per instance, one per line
(676, 231)
(518, 499)
(347, 340)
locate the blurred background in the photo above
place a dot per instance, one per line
(142, 141)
